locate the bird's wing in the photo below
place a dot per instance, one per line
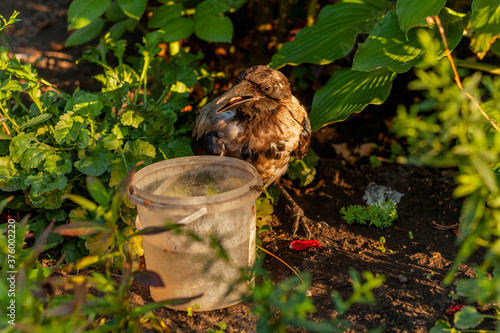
(299, 114)
(208, 130)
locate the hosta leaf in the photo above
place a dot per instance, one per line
(333, 35)
(85, 34)
(388, 46)
(133, 8)
(95, 162)
(214, 28)
(348, 92)
(412, 13)
(82, 12)
(162, 15)
(68, 127)
(28, 151)
(484, 26)
(177, 29)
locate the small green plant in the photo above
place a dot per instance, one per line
(381, 214)
(382, 247)
(410, 234)
(222, 328)
(287, 303)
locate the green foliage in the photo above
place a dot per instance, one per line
(381, 214)
(392, 46)
(286, 303)
(172, 21)
(39, 308)
(456, 133)
(59, 138)
(303, 169)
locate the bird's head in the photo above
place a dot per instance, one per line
(259, 88)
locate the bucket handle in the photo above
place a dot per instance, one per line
(185, 220)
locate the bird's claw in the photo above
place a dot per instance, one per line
(299, 217)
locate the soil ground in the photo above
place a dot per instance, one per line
(410, 300)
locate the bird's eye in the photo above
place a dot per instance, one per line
(266, 89)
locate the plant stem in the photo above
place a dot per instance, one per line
(293, 270)
(436, 19)
(21, 104)
(62, 93)
(312, 10)
(14, 125)
(479, 66)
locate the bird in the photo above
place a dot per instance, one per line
(258, 120)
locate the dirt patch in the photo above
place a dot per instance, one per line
(411, 299)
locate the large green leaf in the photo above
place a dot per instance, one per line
(388, 46)
(348, 92)
(164, 14)
(133, 8)
(412, 13)
(86, 34)
(484, 25)
(467, 318)
(28, 151)
(178, 29)
(214, 28)
(68, 127)
(82, 12)
(333, 35)
(94, 162)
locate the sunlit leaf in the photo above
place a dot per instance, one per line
(388, 46)
(333, 35)
(85, 34)
(133, 8)
(177, 29)
(484, 26)
(28, 151)
(348, 92)
(82, 12)
(412, 13)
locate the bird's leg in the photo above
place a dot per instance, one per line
(297, 214)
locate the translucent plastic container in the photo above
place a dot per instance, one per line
(212, 197)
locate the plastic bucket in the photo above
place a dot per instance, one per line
(213, 198)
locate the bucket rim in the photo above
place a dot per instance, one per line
(252, 188)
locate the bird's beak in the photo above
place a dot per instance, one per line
(232, 98)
